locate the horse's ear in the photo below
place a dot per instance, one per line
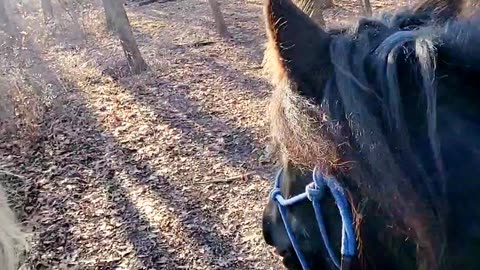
(298, 49)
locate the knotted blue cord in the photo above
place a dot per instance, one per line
(276, 195)
(348, 232)
(314, 192)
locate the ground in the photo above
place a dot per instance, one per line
(163, 170)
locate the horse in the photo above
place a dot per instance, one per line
(390, 109)
(12, 237)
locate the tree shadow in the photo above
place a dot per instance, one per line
(90, 147)
(60, 179)
(172, 104)
(41, 209)
(200, 226)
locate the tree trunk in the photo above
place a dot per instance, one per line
(317, 17)
(7, 24)
(116, 11)
(324, 4)
(73, 9)
(109, 18)
(315, 8)
(47, 10)
(218, 17)
(3, 14)
(367, 7)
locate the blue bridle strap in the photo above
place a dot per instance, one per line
(315, 192)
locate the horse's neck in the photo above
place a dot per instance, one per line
(461, 152)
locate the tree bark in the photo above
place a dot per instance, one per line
(7, 24)
(317, 17)
(108, 18)
(315, 8)
(218, 17)
(324, 4)
(70, 7)
(317, 11)
(367, 7)
(116, 11)
(3, 14)
(47, 10)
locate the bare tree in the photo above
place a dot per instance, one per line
(114, 9)
(367, 7)
(316, 13)
(71, 8)
(47, 10)
(109, 19)
(3, 14)
(218, 17)
(323, 4)
(315, 8)
(6, 22)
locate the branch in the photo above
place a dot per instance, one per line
(12, 174)
(227, 180)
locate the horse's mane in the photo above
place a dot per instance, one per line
(377, 66)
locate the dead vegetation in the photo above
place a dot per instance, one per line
(161, 170)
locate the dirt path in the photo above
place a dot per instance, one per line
(124, 176)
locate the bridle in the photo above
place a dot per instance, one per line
(315, 192)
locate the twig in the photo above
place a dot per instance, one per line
(202, 43)
(225, 181)
(148, 2)
(196, 44)
(12, 174)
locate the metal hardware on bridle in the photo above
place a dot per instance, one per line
(314, 192)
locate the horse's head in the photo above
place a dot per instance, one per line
(390, 107)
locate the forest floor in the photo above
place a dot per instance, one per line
(164, 170)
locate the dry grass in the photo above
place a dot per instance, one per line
(22, 105)
(112, 159)
(28, 89)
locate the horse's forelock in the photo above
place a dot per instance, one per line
(301, 130)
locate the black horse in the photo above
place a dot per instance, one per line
(391, 108)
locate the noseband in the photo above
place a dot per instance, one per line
(315, 192)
